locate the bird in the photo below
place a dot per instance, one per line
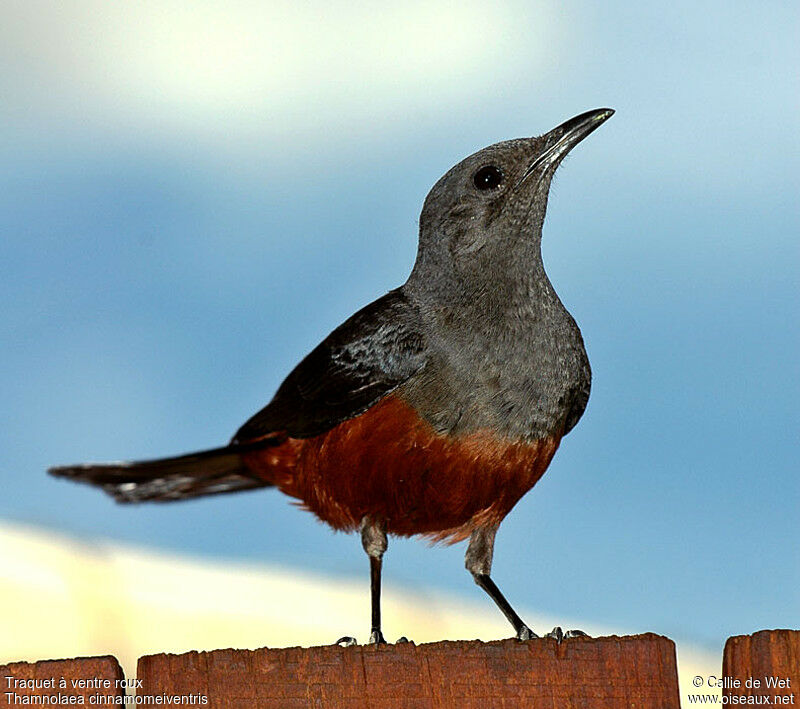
(431, 411)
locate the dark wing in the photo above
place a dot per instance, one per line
(360, 362)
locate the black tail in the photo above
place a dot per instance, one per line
(168, 479)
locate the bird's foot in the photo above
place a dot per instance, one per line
(556, 633)
(376, 638)
(525, 633)
(575, 633)
(559, 635)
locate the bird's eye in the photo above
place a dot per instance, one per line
(488, 177)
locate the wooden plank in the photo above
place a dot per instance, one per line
(581, 673)
(764, 664)
(77, 682)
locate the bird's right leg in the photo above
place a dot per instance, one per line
(374, 541)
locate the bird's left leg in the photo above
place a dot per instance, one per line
(479, 563)
(374, 541)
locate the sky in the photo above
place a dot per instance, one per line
(74, 598)
(192, 195)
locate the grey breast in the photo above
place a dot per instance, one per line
(522, 373)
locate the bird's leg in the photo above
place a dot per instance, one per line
(373, 538)
(479, 564)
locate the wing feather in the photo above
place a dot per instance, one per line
(360, 362)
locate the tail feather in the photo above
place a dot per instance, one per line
(167, 479)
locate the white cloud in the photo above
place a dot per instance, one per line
(275, 67)
(74, 599)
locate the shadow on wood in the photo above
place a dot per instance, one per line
(585, 673)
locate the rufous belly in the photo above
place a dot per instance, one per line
(388, 463)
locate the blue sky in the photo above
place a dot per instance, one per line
(192, 197)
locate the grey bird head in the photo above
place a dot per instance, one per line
(485, 215)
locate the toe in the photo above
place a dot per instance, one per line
(556, 633)
(576, 634)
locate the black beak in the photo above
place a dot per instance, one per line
(559, 141)
(573, 131)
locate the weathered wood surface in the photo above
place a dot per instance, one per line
(771, 657)
(581, 673)
(84, 677)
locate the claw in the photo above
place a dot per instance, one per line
(556, 633)
(346, 641)
(559, 635)
(575, 634)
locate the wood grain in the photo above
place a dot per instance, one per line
(760, 656)
(91, 670)
(580, 673)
